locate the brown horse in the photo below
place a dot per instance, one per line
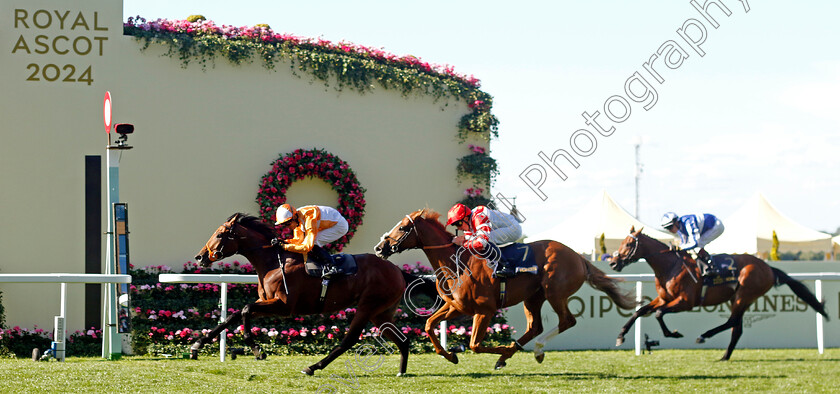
(466, 284)
(678, 290)
(376, 289)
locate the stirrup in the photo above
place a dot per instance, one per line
(331, 271)
(505, 272)
(709, 272)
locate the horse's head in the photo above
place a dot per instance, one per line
(402, 236)
(223, 243)
(628, 252)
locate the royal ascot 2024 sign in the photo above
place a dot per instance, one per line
(77, 34)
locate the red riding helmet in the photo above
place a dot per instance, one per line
(456, 213)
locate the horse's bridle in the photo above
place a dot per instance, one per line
(629, 259)
(393, 248)
(227, 236)
(223, 236)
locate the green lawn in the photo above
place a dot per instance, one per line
(777, 370)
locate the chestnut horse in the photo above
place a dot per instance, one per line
(376, 289)
(466, 284)
(678, 290)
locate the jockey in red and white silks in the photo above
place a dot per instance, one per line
(489, 225)
(485, 229)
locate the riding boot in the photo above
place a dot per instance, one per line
(705, 261)
(323, 256)
(503, 267)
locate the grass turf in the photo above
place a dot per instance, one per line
(776, 370)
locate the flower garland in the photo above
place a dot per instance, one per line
(320, 164)
(351, 65)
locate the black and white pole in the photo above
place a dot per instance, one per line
(111, 340)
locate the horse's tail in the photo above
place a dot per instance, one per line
(800, 290)
(425, 284)
(599, 280)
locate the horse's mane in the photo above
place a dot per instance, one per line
(433, 218)
(255, 223)
(654, 240)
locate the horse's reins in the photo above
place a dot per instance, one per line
(225, 236)
(229, 235)
(636, 247)
(405, 234)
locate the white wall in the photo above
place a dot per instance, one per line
(787, 324)
(203, 140)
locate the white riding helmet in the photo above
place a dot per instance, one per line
(284, 213)
(669, 219)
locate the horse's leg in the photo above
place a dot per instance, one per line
(385, 322)
(198, 344)
(532, 308)
(735, 322)
(643, 311)
(445, 312)
(737, 330)
(260, 308)
(567, 320)
(479, 331)
(356, 326)
(676, 305)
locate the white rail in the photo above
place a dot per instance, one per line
(817, 277)
(222, 280)
(60, 328)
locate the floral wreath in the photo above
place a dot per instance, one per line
(314, 163)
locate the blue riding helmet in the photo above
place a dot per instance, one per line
(669, 219)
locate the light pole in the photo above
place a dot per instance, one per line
(637, 143)
(111, 340)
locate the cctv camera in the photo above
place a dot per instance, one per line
(124, 128)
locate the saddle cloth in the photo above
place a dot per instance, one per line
(343, 260)
(521, 256)
(726, 268)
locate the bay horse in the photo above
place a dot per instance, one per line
(467, 286)
(678, 290)
(375, 290)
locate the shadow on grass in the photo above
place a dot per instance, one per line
(786, 360)
(589, 376)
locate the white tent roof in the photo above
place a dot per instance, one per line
(750, 230)
(582, 231)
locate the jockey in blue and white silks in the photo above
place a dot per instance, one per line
(695, 231)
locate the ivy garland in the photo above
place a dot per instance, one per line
(346, 64)
(320, 164)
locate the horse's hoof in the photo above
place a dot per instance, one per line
(454, 358)
(399, 374)
(676, 334)
(262, 356)
(194, 355)
(500, 364)
(457, 349)
(540, 357)
(701, 340)
(619, 341)
(308, 370)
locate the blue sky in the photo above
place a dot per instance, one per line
(758, 112)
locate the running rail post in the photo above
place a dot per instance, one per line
(638, 328)
(443, 334)
(820, 338)
(222, 318)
